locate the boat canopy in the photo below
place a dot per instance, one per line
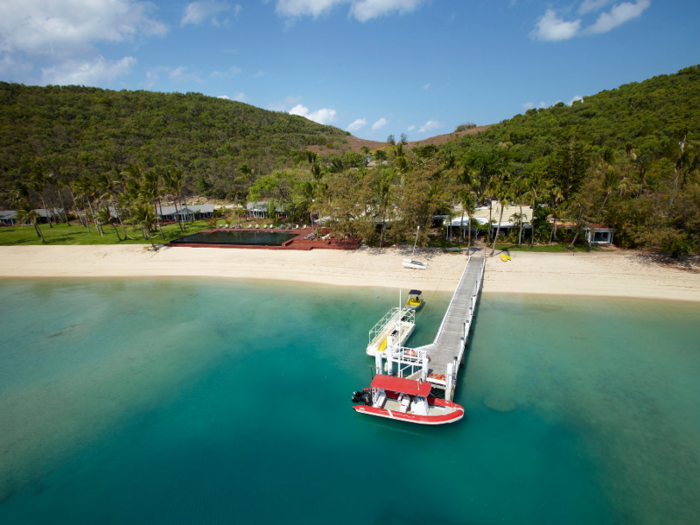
(399, 384)
(415, 292)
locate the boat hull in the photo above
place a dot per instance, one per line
(454, 412)
(442, 419)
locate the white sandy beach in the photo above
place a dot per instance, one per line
(617, 274)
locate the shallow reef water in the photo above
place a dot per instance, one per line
(205, 401)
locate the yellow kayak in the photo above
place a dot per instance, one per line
(505, 257)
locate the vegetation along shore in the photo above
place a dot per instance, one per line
(626, 160)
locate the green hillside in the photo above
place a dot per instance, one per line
(80, 130)
(650, 116)
(628, 158)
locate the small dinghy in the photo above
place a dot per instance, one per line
(415, 299)
(505, 257)
(416, 265)
(405, 400)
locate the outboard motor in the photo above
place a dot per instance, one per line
(357, 396)
(362, 396)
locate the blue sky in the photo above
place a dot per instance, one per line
(373, 67)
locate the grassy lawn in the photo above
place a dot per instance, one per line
(555, 248)
(76, 234)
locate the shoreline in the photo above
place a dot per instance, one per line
(609, 274)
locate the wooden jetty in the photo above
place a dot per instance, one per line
(439, 362)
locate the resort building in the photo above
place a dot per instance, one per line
(187, 212)
(259, 210)
(7, 217)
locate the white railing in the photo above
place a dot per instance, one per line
(444, 319)
(409, 359)
(396, 315)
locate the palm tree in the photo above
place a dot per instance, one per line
(557, 194)
(316, 172)
(383, 195)
(151, 192)
(468, 199)
(501, 189)
(144, 217)
(174, 180)
(467, 183)
(38, 182)
(308, 193)
(86, 190)
(611, 182)
(535, 184)
(105, 217)
(380, 155)
(27, 215)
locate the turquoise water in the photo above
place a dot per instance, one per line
(195, 401)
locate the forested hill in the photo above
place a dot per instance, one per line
(82, 130)
(628, 158)
(649, 116)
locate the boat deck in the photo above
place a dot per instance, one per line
(397, 323)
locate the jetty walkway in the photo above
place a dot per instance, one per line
(446, 352)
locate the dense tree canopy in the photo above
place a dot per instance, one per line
(627, 158)
(78, 131)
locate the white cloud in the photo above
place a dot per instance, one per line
(357, 124)
(411, 128)
(226, 73)
(321, 116)
(426, 86)
(576, 98)
(65, 28)
(198, 12)
(528, 105)
(365, 10)
(362, 10)
(89, 72)
(259, 74)
(431, 125)
(618, 15)
(10, 66)
(181, 74)
(379, 124)
(551, 28)
(588, 6)
(238, 97)
(543, 105)
(282, 105)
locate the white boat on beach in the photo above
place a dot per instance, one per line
(416, 265)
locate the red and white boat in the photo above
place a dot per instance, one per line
(405, 400)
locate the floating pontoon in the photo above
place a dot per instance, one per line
(397, 323)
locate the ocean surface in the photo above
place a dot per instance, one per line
(182, 401)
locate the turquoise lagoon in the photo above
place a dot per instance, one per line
(201, 401)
